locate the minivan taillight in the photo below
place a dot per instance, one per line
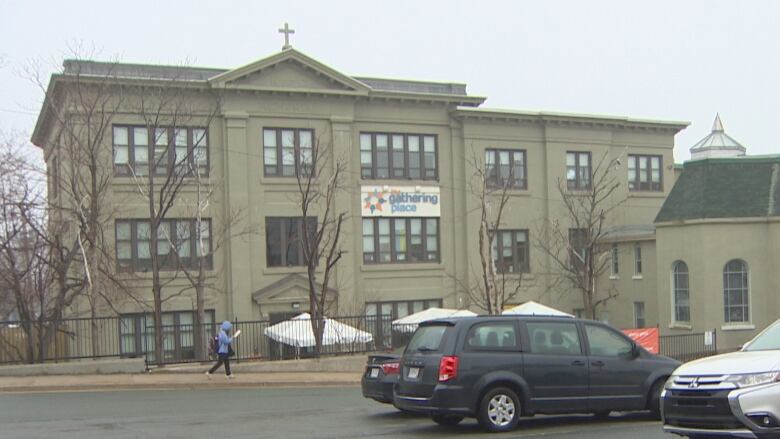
(390, 368)
(448, 368)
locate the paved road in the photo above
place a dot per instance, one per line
(321, 412)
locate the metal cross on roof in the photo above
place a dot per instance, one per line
(286, 31)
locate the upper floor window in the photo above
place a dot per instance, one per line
(179, 244)
(637, 259)
(644, 172)
(510, 251)
(139, 150)
(505, 168)
(615, 260)
(287, 152)
(403, 156)
(578, 170)
(735, 292)
(682, 303)
(284, 240)
(388, 240)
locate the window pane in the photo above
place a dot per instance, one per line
(183, 238)
(382, 160)
(140, 136)
(414, 156)
(368, 240)
(554, 338)
(607, 343)
(163, 236)
(121, 156)
(384, 240)
(416, 245)
(273, 241)
(143, 235)
(492, 336)
(400, 239)
(120, 136)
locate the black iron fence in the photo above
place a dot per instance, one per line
(687, 347)
(123, 337)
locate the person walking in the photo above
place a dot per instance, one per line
(225, 350)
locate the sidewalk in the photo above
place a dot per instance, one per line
(172, 380)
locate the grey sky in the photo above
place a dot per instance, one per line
(676, 60)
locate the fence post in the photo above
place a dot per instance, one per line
(235, 326)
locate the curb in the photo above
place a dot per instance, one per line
(174, 386)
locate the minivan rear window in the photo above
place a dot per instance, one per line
(427, 338)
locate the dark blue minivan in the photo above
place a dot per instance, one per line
(499, 368)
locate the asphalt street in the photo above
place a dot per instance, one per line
(311, 412)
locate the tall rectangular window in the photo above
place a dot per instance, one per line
(645, 172)
(578, 246)
(615, 260)
(398, 156)
(511, 251)
(180, 150)
(578, 170)
(395, 240)
(284, 240)
(288, 152)
(639, 315)
(506, 168)
(177, 242)
(637, 259)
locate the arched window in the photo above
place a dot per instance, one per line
(735, 292)
(682, 302)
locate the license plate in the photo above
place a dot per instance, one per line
(413, 372)
(374, 372)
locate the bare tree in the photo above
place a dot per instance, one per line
(495, 286)
(81, 172)
(574, 243)
(35, 263)
(175, 153)
(319, 176)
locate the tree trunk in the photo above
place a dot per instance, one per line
(200, 322)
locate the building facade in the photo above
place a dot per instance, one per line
(411, 149)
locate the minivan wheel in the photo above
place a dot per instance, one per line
(499, 410)
(655, 399)
(447, 420)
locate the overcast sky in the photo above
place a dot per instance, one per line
(671, 60)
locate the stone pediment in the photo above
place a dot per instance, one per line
(291, 288)
(289, 71)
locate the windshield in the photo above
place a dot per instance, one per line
(427, 338)
(767, 341)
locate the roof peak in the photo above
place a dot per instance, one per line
(717, 144)
(717, 126)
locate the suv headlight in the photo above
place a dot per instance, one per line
(753, 379)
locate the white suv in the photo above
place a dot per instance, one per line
(732, 395)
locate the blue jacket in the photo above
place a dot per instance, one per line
(224, 339)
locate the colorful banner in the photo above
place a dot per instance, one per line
(400, 201)
(648, 338)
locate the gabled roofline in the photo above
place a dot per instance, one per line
(221, 80)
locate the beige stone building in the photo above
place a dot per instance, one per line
(716, 242)
(411, 148)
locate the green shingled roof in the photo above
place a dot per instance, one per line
(725, 188)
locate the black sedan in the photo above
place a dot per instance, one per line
(380, 376)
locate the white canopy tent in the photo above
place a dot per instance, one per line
(535, 309)
(297, 332)
(410, 322)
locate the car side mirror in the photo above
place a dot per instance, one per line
(634, 350)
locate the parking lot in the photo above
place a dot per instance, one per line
(312, 412)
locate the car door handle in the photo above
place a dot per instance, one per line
(597, 363)
(578, 363)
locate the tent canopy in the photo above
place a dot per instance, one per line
(535, 309)
(410, 322)
(297, 332)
